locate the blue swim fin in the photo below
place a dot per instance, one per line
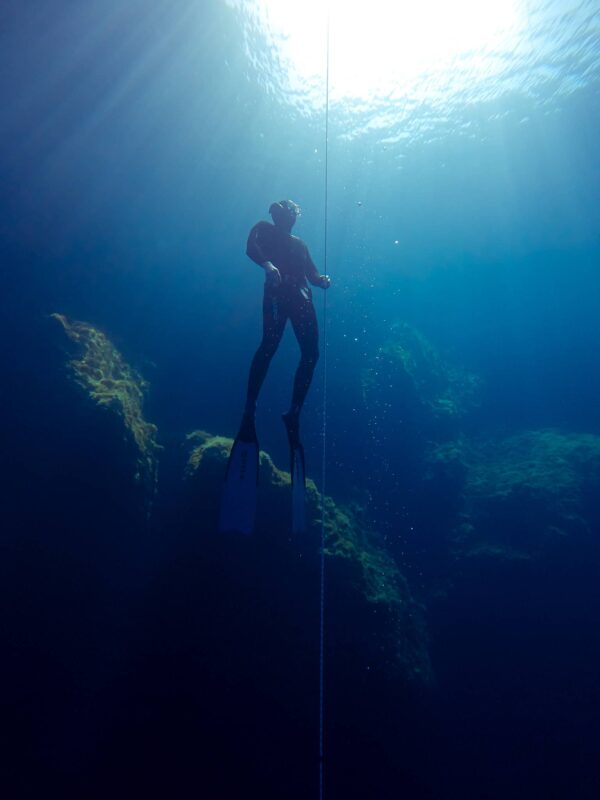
(297, 472)
(238, 501)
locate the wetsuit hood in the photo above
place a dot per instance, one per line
(285, 214)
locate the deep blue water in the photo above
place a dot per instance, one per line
(139, 142)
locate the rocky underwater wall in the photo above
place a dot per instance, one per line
(146, 646)
(144, 617)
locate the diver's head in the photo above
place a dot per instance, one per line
(284, 214)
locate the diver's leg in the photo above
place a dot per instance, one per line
(304, 322)
(274, 319)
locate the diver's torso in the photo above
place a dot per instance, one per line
(286, 252)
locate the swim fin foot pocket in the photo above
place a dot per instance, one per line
(247, 432)
(292, 426)
(238, 501)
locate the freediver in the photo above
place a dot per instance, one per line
(288, 269)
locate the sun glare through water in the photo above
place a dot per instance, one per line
(382, 48)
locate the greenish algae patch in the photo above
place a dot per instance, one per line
(344, 536)
(102, 372)
(347, 541)
(524, 493)
(206, 447)
(408, 362)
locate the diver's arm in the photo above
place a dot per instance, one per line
(313, 274)
(253, 248)
(255, 252)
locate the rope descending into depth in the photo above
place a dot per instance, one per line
(324, 454)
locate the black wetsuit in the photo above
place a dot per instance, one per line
(292, 300)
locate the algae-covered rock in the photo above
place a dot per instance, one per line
(523, 495)
(413, 399)
(355, 556)
(113, 385)
(411, 377)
